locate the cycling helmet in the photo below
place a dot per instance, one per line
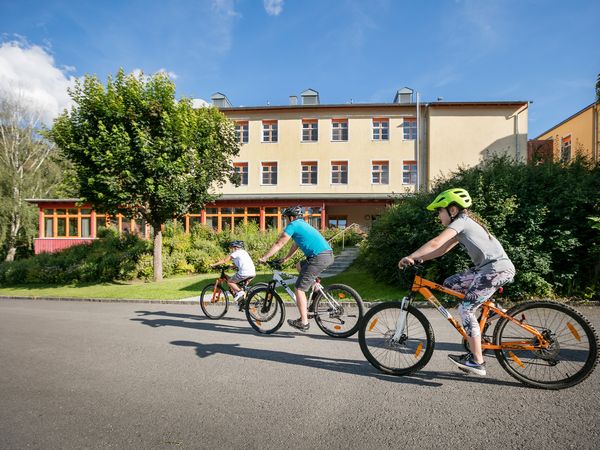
(238, 244)
(294, 211)
(455, 195)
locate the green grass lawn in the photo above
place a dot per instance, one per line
(187, 286)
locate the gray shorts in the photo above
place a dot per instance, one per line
(311, 267)
(237, 278)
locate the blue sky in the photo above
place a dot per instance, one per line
(257, 51)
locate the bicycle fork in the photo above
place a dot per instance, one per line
(401, 322)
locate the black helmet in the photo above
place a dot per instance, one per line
(238, 244)
(294, 211)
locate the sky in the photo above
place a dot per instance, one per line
(259, 52)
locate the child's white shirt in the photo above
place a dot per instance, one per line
(244, 263)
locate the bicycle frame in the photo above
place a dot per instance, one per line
(422, 286)
(284, 280)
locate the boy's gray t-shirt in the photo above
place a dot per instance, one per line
(487, 254)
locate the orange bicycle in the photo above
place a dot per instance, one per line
(542, 344)
(214, 299)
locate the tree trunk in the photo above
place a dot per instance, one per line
(13, 233)
(157, 257)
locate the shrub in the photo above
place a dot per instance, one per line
(538, 212)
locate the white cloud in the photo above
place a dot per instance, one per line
(29, 71)
(273, 7)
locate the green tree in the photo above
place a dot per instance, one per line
(27, 169)
(137, 150)
(598, 88)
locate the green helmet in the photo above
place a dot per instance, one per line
(450, 196)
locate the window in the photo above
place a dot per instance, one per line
(269, 131)
(565, 149)
(269, 173)
(72, 222)
(309, 172)
(410, 128)
(339, 129)
(310, 130)
(409, 172)
(380, 172)
(241, 132)
(337, 222)
(381, 129)
(339, 172)
(242, 170)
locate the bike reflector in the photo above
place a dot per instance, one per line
(373, 324)
(516, 359)
(573, 331)
(419, 348)
(341, 295)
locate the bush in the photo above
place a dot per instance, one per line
(111, 258)
(538, 212)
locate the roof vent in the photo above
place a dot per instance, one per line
(220, 100)
(310, 97)
(293, 100)
(404, 96)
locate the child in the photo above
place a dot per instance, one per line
(492, 268)
(246, 271)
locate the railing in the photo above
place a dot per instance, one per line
(342, 232)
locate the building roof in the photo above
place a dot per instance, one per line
(565, 121)
(374, 105)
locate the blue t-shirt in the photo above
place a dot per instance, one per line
(308, 239)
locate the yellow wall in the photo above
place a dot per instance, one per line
(466, 135)
(451, 136)
(360, 150)
(581, 129)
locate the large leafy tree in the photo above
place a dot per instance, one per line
(27, 169)
(135, 148)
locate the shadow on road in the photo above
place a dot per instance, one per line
(353, 367)
(203, 323)
(349, 366)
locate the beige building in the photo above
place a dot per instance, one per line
(344, 162)
(576, 135)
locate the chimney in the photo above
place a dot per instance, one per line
(310, 97)
(220, 100)
(293, 100)
(404, 96)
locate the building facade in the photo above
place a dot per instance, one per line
(343, 162)
(576, 135)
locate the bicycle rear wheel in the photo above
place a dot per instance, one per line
(265, 311)
(571, 356)
(214, 303)
(411, 352)
(339, 311)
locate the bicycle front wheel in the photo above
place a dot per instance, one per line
(569, 359)
(264, 310)
(339, 311)
(396, 353)
(214, 302)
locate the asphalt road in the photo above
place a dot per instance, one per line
(79, 375)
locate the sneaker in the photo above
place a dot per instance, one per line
(467, 364)
(239, 298)
(297, 324)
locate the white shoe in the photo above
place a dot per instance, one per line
(238, 296)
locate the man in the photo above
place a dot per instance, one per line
(318, 254)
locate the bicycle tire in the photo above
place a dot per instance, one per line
(342, 319)
(211, 307)
(264, 321)
(402, 358)
(572, 356)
